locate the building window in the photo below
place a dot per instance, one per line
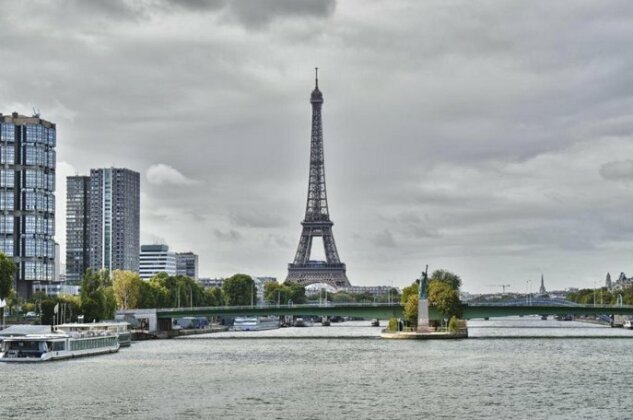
(6, 200)
(7, 178)
(7, 132)
(6, 246)
(29, 224)
(7, 154)
(6, 224)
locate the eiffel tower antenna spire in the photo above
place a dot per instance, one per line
(316, 222)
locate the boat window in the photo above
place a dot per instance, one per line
(24, 345)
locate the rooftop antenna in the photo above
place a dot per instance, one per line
(36, 112)
(316, 77)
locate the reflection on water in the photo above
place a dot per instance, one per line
(364, 378)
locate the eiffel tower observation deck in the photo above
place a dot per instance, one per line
(317, 221)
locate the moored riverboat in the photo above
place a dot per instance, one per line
(120, 329)
(256, 323)
(55, 346)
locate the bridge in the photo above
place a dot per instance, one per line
(395, 310)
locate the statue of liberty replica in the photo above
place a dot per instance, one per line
(423, 303)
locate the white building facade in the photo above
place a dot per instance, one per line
(154, 259)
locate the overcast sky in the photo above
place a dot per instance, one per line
(493, 139)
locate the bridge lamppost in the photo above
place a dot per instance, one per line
(528, 294)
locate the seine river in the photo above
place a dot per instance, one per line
(267, 376)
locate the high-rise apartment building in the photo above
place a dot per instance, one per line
(156, 259)
(114, 219)
(187, 264)
(104, 227)
(77, 189)
(27, 199)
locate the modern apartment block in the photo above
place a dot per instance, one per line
(27, 199)
(156, 259)
(114, 219)
(77, 192)
(104, 228)
(187, 264)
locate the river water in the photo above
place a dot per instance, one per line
(267, 376)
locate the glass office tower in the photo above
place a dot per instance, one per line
(77, 189)
(27, 199)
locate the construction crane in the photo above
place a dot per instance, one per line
(503, 287)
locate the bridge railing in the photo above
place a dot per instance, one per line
(546, 303)
(275, 306)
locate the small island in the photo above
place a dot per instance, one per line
(441, 293)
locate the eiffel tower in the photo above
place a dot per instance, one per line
(317, 221)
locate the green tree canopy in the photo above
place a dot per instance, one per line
(411, 310)
(445, 299)
(444, 276)
(127, 288)
(238, 290)
(214, 297)
(7, 278)
(282, 293)
(97, 298)
(408, 291)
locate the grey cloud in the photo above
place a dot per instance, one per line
(280, 241)
(617, 170)
(227, 236)
(263, 12)
(256, 218)
(384, 239)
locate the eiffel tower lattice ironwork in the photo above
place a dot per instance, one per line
(317, 221)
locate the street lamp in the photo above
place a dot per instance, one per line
(527, 291)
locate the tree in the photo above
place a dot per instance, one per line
(444, 276)
(214, 296)
(411, 310)
(297, 292)
(127, 288)
(408, 291)
(97, 298)
(238, 290)
(275, 292)
(7, 278)
(445, 299)
(12, 300)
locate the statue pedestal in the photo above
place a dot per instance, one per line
(423, 316)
